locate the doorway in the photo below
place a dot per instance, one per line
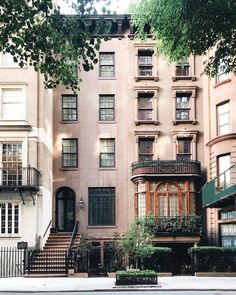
(65, 209)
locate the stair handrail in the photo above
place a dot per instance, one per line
(75, 230)
(50, 222)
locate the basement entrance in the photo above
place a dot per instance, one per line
(65, 209)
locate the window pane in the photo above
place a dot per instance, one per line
(69, 107)
(223, 118)
(69, 153)
(106, 108)
(107, 153)
(145, 63)
(9, 218)
(146, 149)
(101, 206)
(223, 164)
(107, 65)
(12, 104)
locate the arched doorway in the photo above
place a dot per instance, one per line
(65, 209)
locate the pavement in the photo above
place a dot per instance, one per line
(187, 283)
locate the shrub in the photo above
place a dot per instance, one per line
(213, 259)
(133, 272)
(160, 260)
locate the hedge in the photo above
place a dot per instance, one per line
(133, 272)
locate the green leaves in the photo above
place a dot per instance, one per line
(36, 33)
(183, 27)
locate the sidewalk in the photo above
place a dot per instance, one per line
(107, 284)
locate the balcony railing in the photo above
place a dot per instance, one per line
(169, 167)
(176, 224)
(11, 178)
(221, 189)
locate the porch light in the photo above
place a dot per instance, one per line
(81, 203)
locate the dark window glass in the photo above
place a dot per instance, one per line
(145, 109)
(106, 108)
(101, 206)
(183, 106)
(107, 152)
(146, 149)
(183, 67)
(184, 149)
(145, 63)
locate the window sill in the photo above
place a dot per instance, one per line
(69, 122)
(139, 78)
(151, 122)
(69, 169)
(101, 226)
(107, 168)
(106, 78)
(10, 236)
(107, 122)
(176, 78)
(176, 122)
(221, 83)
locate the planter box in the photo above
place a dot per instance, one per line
(136, 280)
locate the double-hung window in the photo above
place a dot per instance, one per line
(221, 74)
(223, 165)
(183, 106)
(69, 107)
(106, 107)
(69, 153)
(145, 63)
(145, 106)
(107, 65)
(101, 206)
(183, 67)
(223, 118)
(107, 153)
(184, 149)
(146, 149)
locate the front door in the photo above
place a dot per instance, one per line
(65, 210)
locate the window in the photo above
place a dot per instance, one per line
(102, 206)
(106, 108)
(69, 153)
(107, 152)
(221, 75)
(223, 165)
(12, 164)
(9, 218)
(6, 60)
(183, 106)
(228, 235)
(107, 65)
(145, 108)
(145, 63)
(223, 118)
(146, 149)
(183, 149)
(183, 67)
(69, 107)
(12, 104)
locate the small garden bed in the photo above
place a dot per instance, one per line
(136, 277)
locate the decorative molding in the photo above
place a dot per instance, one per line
(220, 139)
(15, 127)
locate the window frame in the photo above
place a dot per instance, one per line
(106, 108)
(221, 76)
(145, 66)
(188, 91)
(64, 108)
(180, 156)
(189, 63)
(71, 153)
(192, 136)
(14, 232)
(150, 140)
(111, 202)
(109, 65)
(107, 153)
(219, 126)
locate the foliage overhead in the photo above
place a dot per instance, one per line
(35, 32)
(183, 27)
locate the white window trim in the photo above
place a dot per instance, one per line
(188, 134)
(13, 235)
(193, 92)
(9, 86)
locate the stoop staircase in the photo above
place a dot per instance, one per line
(56, 257)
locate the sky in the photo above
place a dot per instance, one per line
(119, 6)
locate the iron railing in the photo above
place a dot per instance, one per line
(166, 167)
(221, 187)
(18, 177)
(69, 253)
(12, 262)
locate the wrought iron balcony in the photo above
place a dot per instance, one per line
(19, 178)
(220, 191)
(168, 167)
(176, 225)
